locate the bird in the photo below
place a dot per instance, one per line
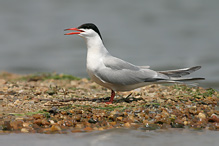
(117, 74)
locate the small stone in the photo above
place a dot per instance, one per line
(31, 101)
(38, 122)
(55, 128)
(131, 118)
(17, 125)
(1, 96)
(127, 124)
(63, 112)
(79, 126)
(19, 118)
(112, 123)
(113, 112)
(91, 120)
(37, 116)
(71, 111)
(217, 125)
(54, 110)
(45, 122)
(101, 128)
(78, 118)
(185, 122)
(26, 125)
(119, 118)
(202, 116)
(17, 102)
(193, 110)
(51, 122)
(214, 118)
(111, 117)
(11, 104)
(24, 130)
(73, 83)
(172, 117)
(11, 92)
(20, 91)
(7, 125)
(146, 117)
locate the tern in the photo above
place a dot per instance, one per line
(117, 74)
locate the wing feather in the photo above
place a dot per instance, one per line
(117, 71)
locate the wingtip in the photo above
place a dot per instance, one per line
(195, 68)
(199, 78)
(199, 67)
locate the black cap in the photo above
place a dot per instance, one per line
(90, 26)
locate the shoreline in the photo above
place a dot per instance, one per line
(58, 103)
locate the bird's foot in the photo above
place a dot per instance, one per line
(109, 102)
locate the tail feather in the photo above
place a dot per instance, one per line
(176, 75)
(180, 72)
(186, 79)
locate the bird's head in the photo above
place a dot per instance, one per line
(86, 30)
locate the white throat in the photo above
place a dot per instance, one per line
(95, 52)
(95, 47)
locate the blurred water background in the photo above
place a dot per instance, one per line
(165, 34)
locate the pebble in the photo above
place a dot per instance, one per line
(55, 128)
(79, 126)
(202, 116)
(127, 125)
(119, 118)
(51, 122)
(26, 124)
(24, 130)
(214, 118)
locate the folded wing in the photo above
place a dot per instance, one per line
(117, 71)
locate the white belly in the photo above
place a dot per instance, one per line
(97, 80)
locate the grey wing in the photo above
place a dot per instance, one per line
(120, 72)
(118, 64)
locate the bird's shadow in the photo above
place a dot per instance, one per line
(121, 99)
(127, 99)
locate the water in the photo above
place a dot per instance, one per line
(116, 137)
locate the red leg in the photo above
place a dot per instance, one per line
(112, 97)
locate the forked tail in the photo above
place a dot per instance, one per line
(176, 75)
